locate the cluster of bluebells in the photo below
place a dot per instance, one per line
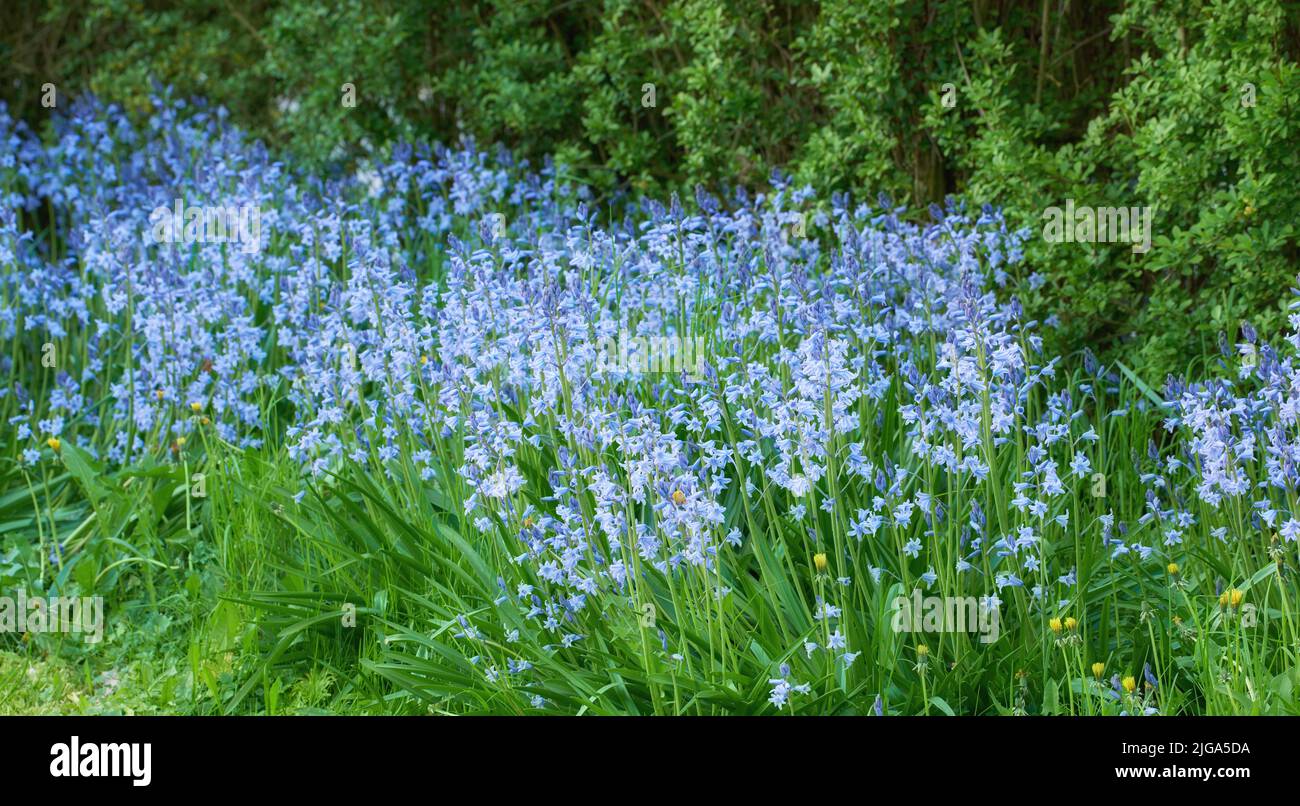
(1234, 456)
(871, 394)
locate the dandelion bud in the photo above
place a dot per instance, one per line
(1172, 568)
(1055, 624)
(54, 443)
(679, 497)
(196, 407)
(922, 650)
(1071, 623)
(819, 561)
(1235, 596)
(1097, 669)
(1130, 684)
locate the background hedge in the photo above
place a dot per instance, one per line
(1190, 107)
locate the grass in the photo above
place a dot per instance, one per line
(398, 557)
(347, 601)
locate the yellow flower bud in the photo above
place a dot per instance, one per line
(54, 443)
(1130, 685)
(1071, 623)
(196, 407)
(819, 561)
(1097, 669)
(679, 497)
(1055, 624)
(1172, 568)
